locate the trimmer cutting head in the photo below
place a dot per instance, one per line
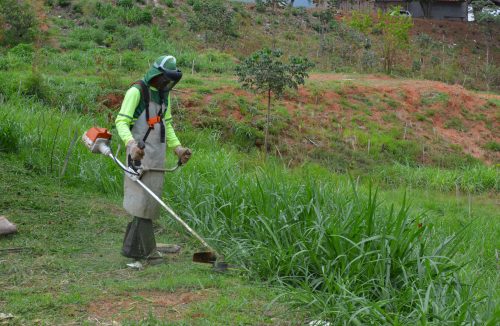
(206, 257)
(209, 257)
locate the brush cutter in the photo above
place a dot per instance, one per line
(98, 141)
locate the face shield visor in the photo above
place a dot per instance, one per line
(170, 76)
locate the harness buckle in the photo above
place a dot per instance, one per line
(153, 121)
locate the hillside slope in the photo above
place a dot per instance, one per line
(347, 120)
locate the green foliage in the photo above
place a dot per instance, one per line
(455, 123)
(17, 21)
(361, 22)
(9, 134)
(434, 97)
(35, 85)
(169, 3)
(492, 146)
(64, 3)
(132, 16)
(215, 19)
(125, 3)
(394, 30)
(475, 179)
(133, 41)
(329, 245)
(266, 72)
(262, 5)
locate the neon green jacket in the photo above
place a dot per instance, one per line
(126, 118)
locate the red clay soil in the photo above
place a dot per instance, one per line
(136, 306)
(409, 95)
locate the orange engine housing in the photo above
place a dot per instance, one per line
(96, 132)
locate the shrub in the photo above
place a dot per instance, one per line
(131, 42)
(455, 123)
(492, 146)
(9, 135)
(35, 85)
(18, 22)
(169, 3)
(215, 19)
(125, 3)
(130, 61)
(64, 3)
(138, 16)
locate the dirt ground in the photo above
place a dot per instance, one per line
(166, 305)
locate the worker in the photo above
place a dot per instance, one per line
(146, 117)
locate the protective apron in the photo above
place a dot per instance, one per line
(136, 201)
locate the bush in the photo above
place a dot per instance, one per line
(36, 86)
(134, 41)
(64, 3)
(9, 135)
(125, 3)
(492, 146)
(18, 22)
(169, 3)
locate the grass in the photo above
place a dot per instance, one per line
(315, 235)
(471, 180)
(70, 259)
(320, 245)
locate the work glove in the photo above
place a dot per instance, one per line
(184, 154)
(136, 153)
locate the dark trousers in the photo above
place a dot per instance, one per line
(139, 241)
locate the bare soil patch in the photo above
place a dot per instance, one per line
(136, 306)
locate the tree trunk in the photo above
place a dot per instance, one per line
(268, 120)
(426, 8)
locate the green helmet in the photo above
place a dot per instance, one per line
(166, 65)
(166, 62)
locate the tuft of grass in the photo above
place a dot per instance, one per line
(475, 179)
(492, 146)
(455, 123)
(434, 97)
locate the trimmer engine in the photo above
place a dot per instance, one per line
(98, 140)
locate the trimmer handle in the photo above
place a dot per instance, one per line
(137, 163)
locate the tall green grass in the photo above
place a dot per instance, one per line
(338, 251)
(475, 179)
(343, 255)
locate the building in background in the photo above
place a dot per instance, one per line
(434, 9)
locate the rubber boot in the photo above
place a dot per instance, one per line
(139, 241)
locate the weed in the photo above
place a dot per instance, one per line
(390, 117)
(420, 117)
(455, 123)
(10, 132)
(434, 97)
(492, 146)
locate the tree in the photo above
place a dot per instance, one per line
(265, 71)
(426, 6)
(484, 11)
(326, 18)
(394, 27)
(216, 19)
(395, 35)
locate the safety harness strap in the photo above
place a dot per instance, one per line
(154, 120)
